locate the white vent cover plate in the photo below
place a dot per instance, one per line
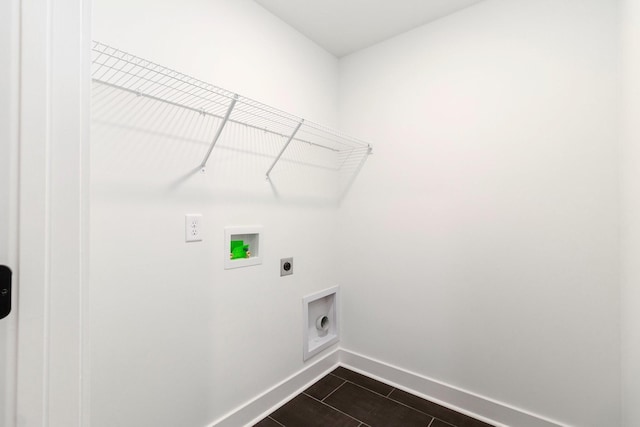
(321, 321)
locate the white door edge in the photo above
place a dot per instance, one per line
(53, 213)
(9, 103)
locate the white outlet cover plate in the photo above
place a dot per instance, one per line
(193, 227)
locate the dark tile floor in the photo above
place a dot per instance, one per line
(345, 398)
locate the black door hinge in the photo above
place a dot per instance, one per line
(5, 291)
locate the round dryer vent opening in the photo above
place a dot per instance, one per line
(322, 325)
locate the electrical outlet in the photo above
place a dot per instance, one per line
(286, 266)
(193, 233)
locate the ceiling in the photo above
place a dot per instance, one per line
(345, 26)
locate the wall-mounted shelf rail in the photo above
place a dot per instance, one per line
(114, 68)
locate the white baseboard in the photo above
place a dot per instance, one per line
(479, 407)
(262, 405)
(493, 412)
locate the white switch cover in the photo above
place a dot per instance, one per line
(193, 233)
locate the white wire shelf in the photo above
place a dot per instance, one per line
(114, 68)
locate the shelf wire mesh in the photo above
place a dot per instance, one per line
(115, 68)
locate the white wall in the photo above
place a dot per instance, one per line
(484, 228)
(176, 340)
(495, 174)
(630, 157)
(237, 45)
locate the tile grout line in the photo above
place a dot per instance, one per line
(442, 421)
(334, 375)
(395, 401)
(336, 409)
(278, 422)
(390, 398)
(434, 418)
(366, 388)
(416, 409)
(426, 413)
(334, 390)
(387, 396)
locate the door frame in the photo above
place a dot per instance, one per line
(9, 78)
(53, 203)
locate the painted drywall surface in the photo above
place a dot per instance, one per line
(175, 338)
(486, 221)
(630, 157)
(237, 45)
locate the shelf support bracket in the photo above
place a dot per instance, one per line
(295, 131)
(355, 173)
(203, 165)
